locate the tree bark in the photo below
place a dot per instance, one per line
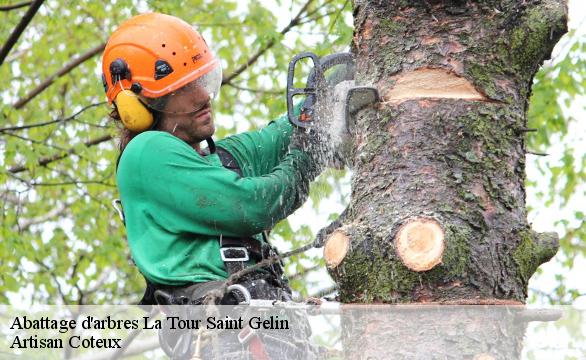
(438, 198)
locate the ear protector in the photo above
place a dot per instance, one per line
(134, 114)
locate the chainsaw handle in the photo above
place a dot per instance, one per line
(328, 61)
(310, 89)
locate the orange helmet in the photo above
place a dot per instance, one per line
(154, 55)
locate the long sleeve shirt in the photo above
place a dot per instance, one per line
(177, 202)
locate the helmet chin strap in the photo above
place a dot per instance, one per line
(156, 118)
(211, 145)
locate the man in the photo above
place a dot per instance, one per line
(194, 216)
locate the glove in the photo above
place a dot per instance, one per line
(312, 142)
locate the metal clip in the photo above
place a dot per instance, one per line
(117, 204)
(226, 257)
(242, 290)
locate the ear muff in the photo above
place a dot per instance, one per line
(134, 114)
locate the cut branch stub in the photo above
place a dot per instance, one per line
(420, 244)
(336, 248)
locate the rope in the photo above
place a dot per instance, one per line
(217, 294)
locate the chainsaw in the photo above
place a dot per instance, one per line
(337, 87)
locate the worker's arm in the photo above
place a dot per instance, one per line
(258, 152)
(190, 194)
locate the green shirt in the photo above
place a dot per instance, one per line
(177, 202)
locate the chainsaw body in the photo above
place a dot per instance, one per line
(337, 89)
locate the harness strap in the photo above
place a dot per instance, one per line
(236, 252)
(228, 161)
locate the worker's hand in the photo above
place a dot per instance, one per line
(300, 139)
(315, 143)
(323, 137)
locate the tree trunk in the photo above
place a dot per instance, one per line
(438, 198)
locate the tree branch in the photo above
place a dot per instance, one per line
(76, 284)
(218, 293)
(54, 277)
(324, 292)
(27, 223)
(536, 153)
(34, 141)
(72, 181)
(16, 55)
(272, 92)
(309, 20)
(28, 16)
(99, 282)
(15, 6)
(62, 120)
(317, 9)
(301, 274)
(526, 130)
(294, 22)
(75, 182)
(45, 143)
(13, 200)
(48, 160)
(338, 16)
(64, 70)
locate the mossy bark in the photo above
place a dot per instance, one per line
(458, 161)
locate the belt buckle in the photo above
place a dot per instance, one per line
(225, 257)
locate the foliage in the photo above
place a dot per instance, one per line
(557, 90)
(61, 242)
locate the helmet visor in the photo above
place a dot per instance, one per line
(192, 97)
